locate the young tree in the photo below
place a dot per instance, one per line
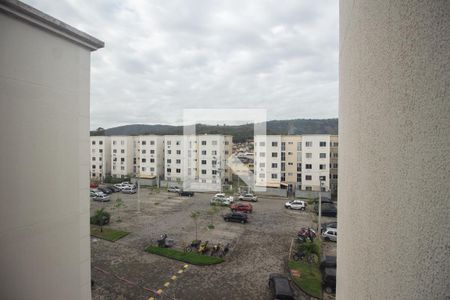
(211, 213)
(119, 204)
(195, 215)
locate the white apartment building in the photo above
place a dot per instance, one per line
(149, 156)
(100, 157)
(197, 158)
(122, 155)
(296, 161)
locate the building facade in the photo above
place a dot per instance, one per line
(123, 159)
(44, 125)
(100, 157)
(296, 162)
(149, 156)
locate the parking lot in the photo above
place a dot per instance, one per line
(122, 270)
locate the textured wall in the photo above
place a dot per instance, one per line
(44, 161)
(394, 155)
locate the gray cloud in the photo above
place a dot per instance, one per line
(164, 56)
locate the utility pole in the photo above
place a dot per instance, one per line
(320, 208)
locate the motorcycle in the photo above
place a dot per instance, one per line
(193, 246)
(203, 247)
(165, 242)
(215, 249)
(306, 233)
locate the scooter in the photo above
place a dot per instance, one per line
(165, 242)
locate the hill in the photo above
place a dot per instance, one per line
(240, 133)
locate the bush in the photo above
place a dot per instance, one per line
(101, 217)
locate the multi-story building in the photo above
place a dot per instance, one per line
(100, 157)
(196, 159)
(149, 156)
(122, 156)
(296, 161)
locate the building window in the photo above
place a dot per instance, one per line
(203, 162)
(152, 142)
(204, 172)
(169, 170)
(169, 151)
(178, 161)
(299, 146)
(308, 155)
(122, 151)
(214, 143)
(323, 178)
(100, 150)
(93, 158)
(179, 152)
(93, 142)
(100, 159)
(335, 144)
(143, 151)
(214, 152)
(114, 142)
(274, 154)
(152, 160)
(334, 154)
(322, 167)
(322, 155)
(308, 166)
(299, 177)
(100, 142)
(274, 165)
(122, 168)
(262, 175)
(308, 144)
(290, 164)
(144, 160)
(152, 151)
(289, 153)
(114, 150)
(262, 144)
(308, 177)
(227, 143)
(283, 146)
(143, 144)
(203, 143)
(308, 188)
(283, 156)
(178, 171)
(169, 160)
(177, 143)
(299, 167)
(143, 169)
(226, 152)
(262, 165)
(169, 143)
(323, 144)
(122, 159)
(274, 176)
(203, 152)
(334, 176)
(93, 166)
(262, 154)
(274, 144)
(152, 169)
(214, 172)
(283, 167)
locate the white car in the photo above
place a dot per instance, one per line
(99, 196)
(173, 189)
(222, 196)
(296, 204)
(330, 234)
(219, 201)
(129, 190)
(122, 185)
(248, 197)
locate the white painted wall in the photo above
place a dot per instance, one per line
(315, 150)
(122, 155)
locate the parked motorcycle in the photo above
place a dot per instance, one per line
(203, 247)
(165, 242)
(306, 233)
(224, 250)
(193, 246)
(215, 249)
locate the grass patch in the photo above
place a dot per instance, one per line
(108, 234)
(191, 258)
(310, 280)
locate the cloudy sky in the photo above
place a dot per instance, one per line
(164, 56)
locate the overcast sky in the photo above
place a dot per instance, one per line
(163, 56)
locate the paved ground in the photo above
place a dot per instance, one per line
(257, 249)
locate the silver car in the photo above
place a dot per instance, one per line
(99, 196)
(248, 197)
(129, 190)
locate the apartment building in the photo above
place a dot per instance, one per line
(100, 157)
(122, 156)
(197, 158)
(149, 156)
(296, 161)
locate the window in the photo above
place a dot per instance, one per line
(299, 146)
(100, 142)
(323, 178)
(169, 143)
(274, 165)
(152, 160)
(99, 159)
(283, 167)
(262, 154)
(322, 167)
(226, 143)
(308, 188)
(114, 150)
(122, 142)
(334, 176)
(152, 142)
(308, 155)
(299, 167)
(214, 172)
(114, 142)
(308, 166)
(214, 152)
(115, 159)
(178, 161)
(226, 152)
(274, 144)
(134, 160)
(262, 175)
(289, 153)
(114, 167)
(274, 154)
(334, 144)
(178, 152)
(283, 146)
(334, 154)
(93, 166)
(262, 144)
(274, 176)
(262, 165)
(152, 169)
(203, 162)
(178, 171)
(122, 151)
(122, 159)
(93, 142)
(289, 174)
(214, 163)
(283, 156)
(143, 169)
(204, 172)
(308, 177)
(152, 151)
(169, 160)
(308, 144)
(169, 151)
(299, 177)
(203, 152)
(322, 144)
(214, 143)
(122, 168)
(203, 143)
(322, 155)
(144, 143)
(290, 164)
(143, 160)
(93, 158)
(169, 170)
(143, 151)
(100, 150)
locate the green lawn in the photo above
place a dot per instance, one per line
(310, 280)
(108, 234)
(191, 258)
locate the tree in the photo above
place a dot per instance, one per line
(119, 204)
(212, 212)
(100, 218)
(195, 215)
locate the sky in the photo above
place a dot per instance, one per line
(161, 57)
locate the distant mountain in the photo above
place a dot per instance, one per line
(240, 133)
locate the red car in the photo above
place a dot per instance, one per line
(242, 207)
(93, 185)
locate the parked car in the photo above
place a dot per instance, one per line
(242, 207)
(173, 189)
(99, 196)
(324, 226)
(236, 217)
(219, 201)
(93, 185)
(328, 262)
(298, 204)
(224, 197)
(104, 190)
(186, 193)
(280, 286)
(114, 189)
(248, 197)
(330, 234)
(329, 280)
(93, 194)
(328, 209)
(129, 190)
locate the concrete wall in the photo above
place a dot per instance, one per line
(44, 183)
(394, 162)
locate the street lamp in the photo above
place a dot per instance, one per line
(320, 206)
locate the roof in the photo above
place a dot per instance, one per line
(27, 13)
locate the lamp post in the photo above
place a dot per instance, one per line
(320, 208)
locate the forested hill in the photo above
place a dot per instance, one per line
(240, 133)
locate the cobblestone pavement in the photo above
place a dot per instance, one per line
(122, 270)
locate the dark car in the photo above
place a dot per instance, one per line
(328, 209)
(186, 193)
(104, 190)
(329, 280)
(114, 189)
(328, 225)
(236, 217)
(328, 262)
(280, 286)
